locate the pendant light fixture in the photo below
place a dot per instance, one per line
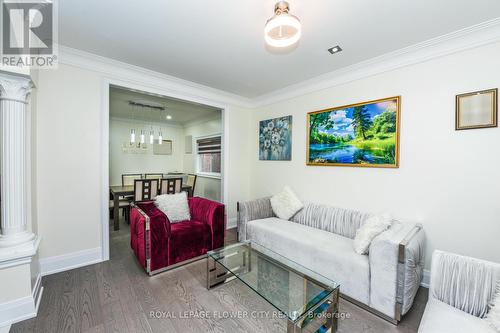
(160, 137)
(151, 137)
(143, 137)
(132, 135)
(283, 29)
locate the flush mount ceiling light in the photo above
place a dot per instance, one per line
(283, 29)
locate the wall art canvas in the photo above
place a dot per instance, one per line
(362, 135)
(275, 139)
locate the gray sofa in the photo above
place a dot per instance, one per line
(321, 237)
(459, 293)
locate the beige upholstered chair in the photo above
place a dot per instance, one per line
(191, 181)
(157, 176)
(145, 189)
(171, 185)
(123, 205)
(128, 178)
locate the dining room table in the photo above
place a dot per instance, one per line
(118, 191)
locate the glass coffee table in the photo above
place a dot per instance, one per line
(308, 300)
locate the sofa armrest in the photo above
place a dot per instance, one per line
(149, 233)
(211, 213)
(396, 266)
(252, 210)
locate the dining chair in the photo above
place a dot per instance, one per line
(191, 181)
(171, 185)
(129, 178)
(145, 189)
(157, 176)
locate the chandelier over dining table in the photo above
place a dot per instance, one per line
(136, 105)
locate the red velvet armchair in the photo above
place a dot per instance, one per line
(160, 245)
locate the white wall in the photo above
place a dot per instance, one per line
(68, 160)
(69, 163)
(447, 180)
(121, 162)
(206, 187)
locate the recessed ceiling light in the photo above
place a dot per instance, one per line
(169, 117)
(335, 49)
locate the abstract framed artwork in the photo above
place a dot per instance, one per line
(359, 135)
(476, 110)
(275, 139)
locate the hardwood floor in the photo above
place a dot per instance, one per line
(117, 296)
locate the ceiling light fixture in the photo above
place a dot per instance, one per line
(169, 117)
(335, 49)
(283, 29)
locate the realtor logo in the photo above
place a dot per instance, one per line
(29, 33)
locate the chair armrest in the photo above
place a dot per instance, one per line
(396, 266)
(149, 233)
(211, 213)
(252, 210)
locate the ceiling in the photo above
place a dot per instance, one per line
(182, 112)
(219, 43)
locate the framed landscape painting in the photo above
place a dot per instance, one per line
(361, 135)
(275, 139)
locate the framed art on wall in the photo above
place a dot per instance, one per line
(275, 139)
(360, 135)
(476, 109)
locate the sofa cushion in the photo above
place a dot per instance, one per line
(373, 227)
(285, 204)
(440, 317)
(341, 221)
(321, 251)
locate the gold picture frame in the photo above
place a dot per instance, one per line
(477, 109)
(361, 145)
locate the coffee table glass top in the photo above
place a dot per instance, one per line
(290, 287)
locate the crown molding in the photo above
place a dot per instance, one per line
(474, 36)
(131, 73)
(468, 38)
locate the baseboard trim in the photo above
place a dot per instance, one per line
(22, 308)
(61, 263)
(426, 278)
(232, 223)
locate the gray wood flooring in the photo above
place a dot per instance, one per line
(117, 296)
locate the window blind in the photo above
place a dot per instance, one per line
(209, 145)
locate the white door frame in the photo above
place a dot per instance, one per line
(106, 85)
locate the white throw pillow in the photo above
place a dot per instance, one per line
(373, 227)
(285, 204)
(175, 206)
(493, 316)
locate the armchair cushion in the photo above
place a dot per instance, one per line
(439, 317)
(175, 206)
(188, 240)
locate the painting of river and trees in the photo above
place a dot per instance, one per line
(364, 134)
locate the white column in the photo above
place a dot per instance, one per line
(14, 92)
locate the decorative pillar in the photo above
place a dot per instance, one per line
(14, 92)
